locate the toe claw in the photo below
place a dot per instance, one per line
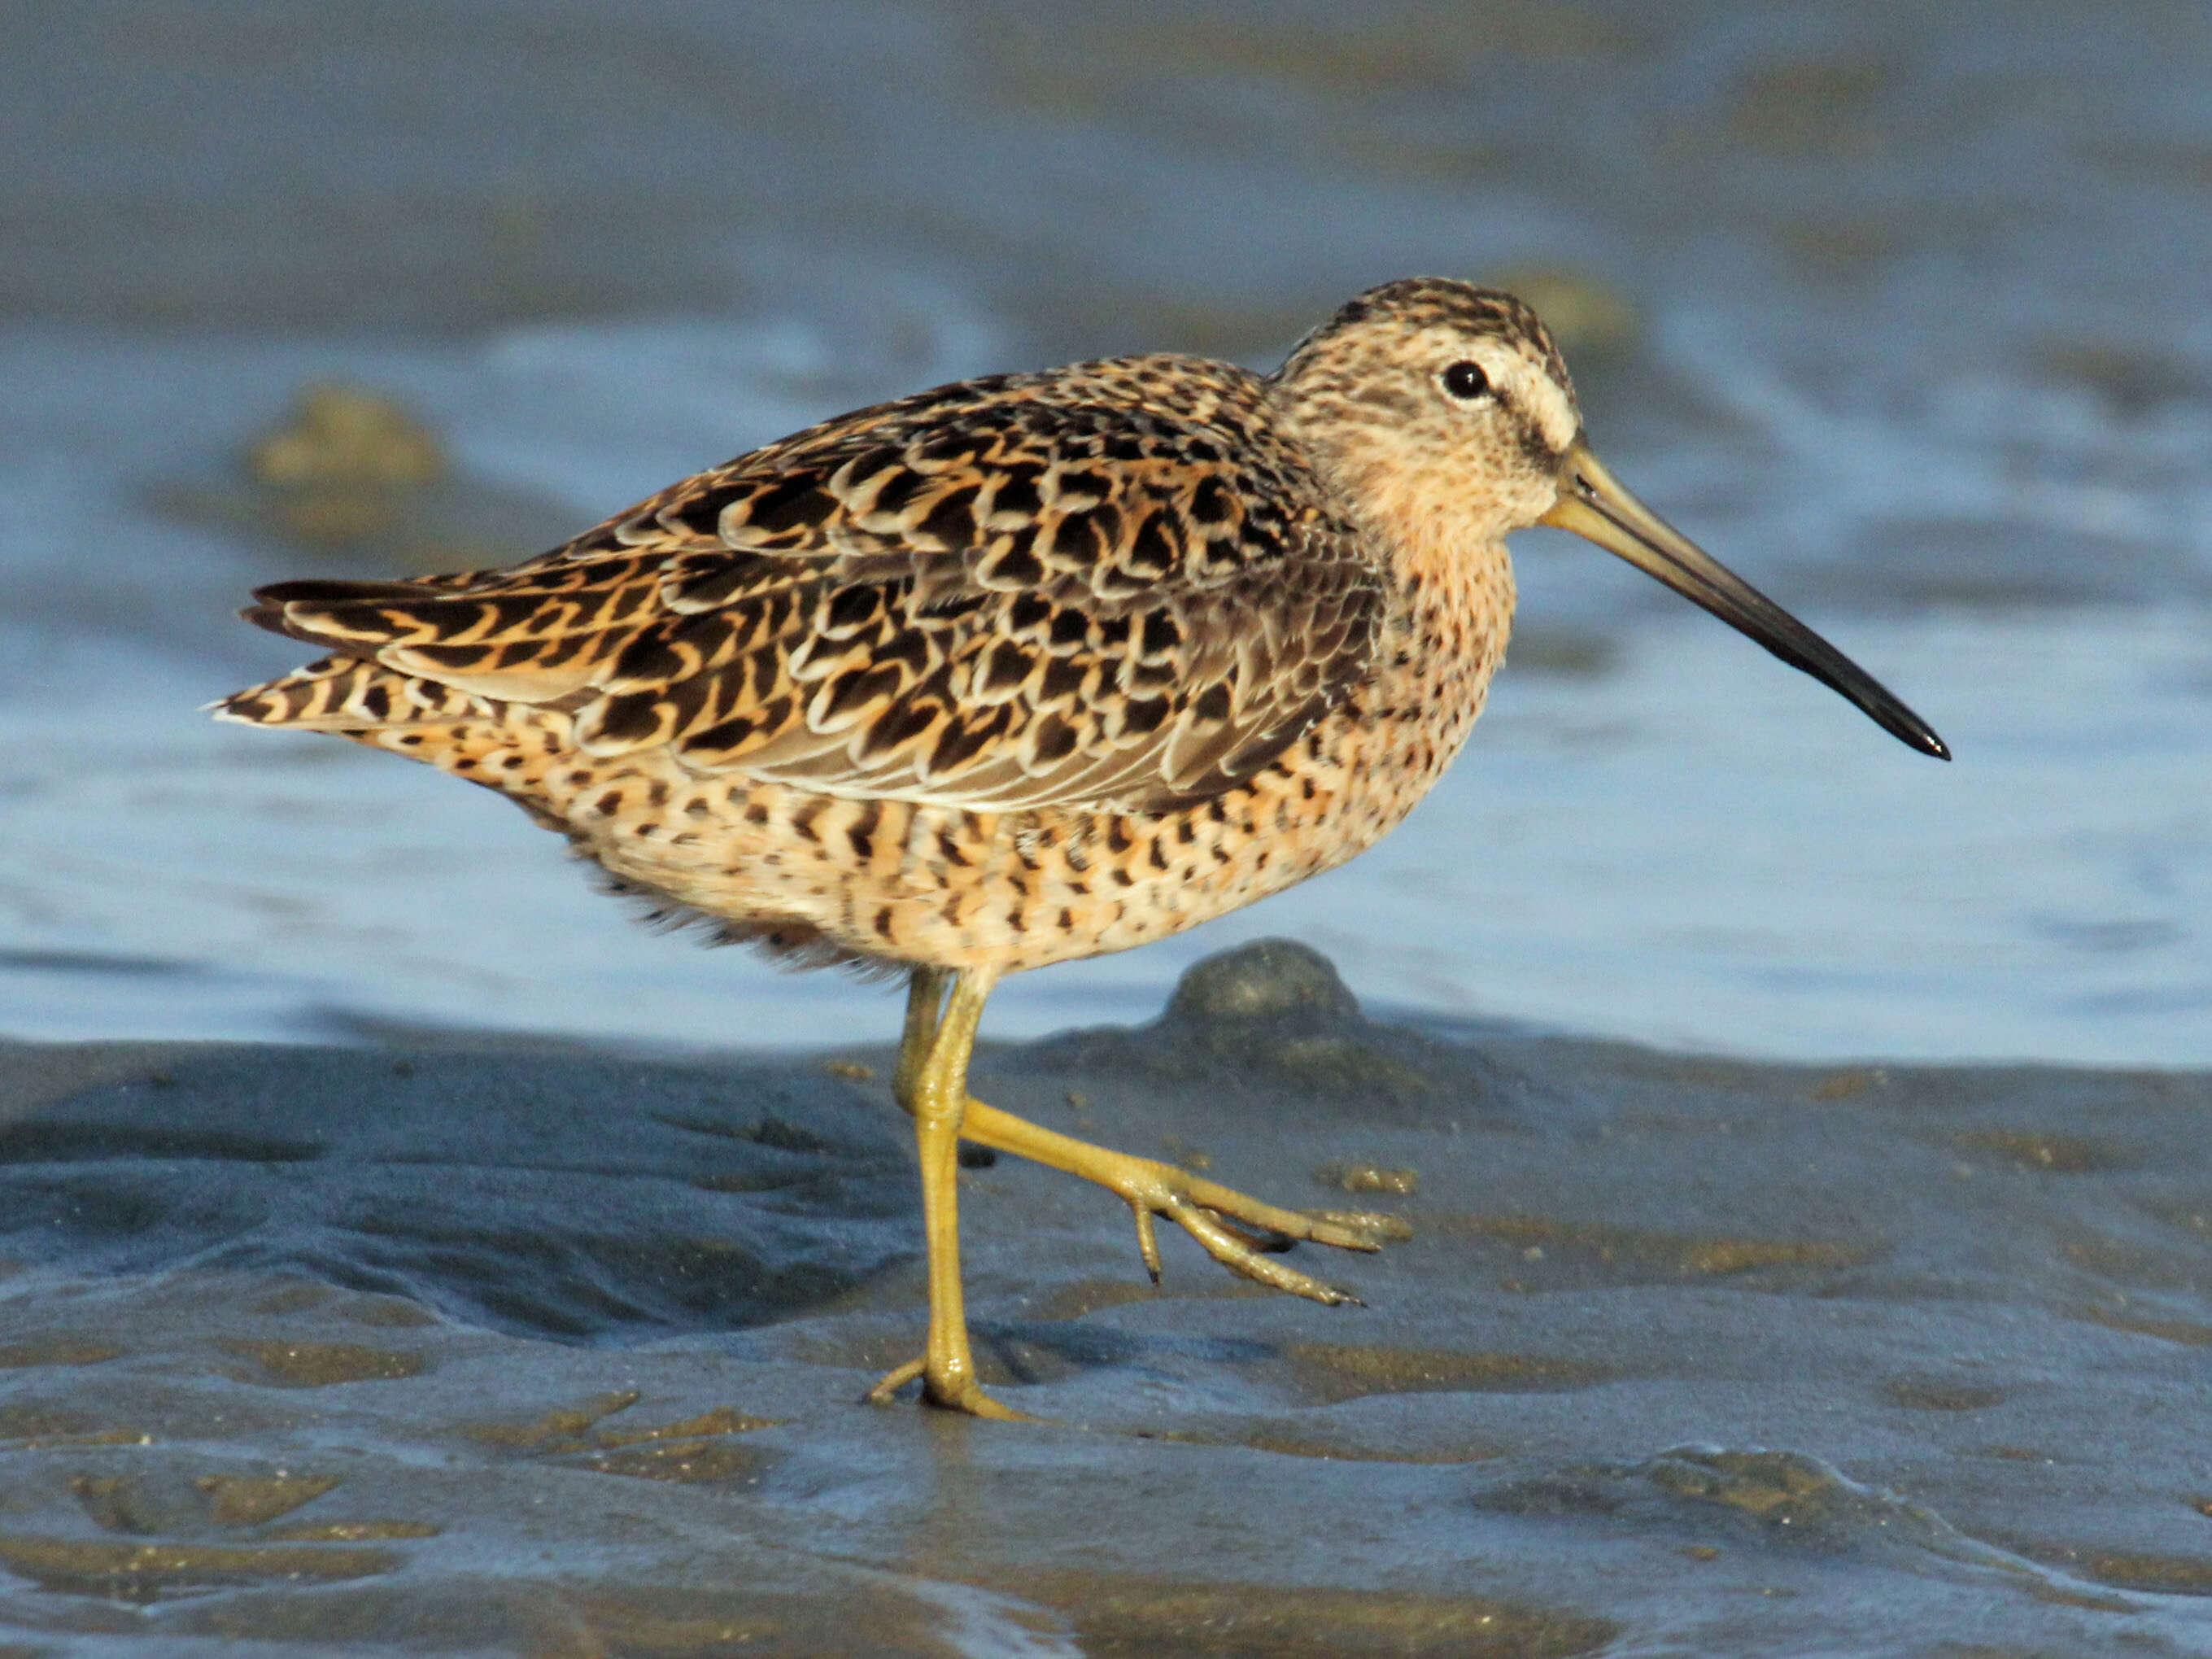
(1148, 1245)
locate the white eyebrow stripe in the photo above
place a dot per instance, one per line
(1525, 384)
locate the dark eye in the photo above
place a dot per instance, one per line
(1466, 381)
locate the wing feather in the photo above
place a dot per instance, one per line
(1034, 590)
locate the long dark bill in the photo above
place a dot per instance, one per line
(1593, 504)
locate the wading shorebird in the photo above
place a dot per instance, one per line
(1025, 669)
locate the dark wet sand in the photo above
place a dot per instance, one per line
(511, 1350)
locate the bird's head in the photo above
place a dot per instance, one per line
(1443, 417)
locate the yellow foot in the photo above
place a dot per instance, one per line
(962, 1393)
(1234, 1230)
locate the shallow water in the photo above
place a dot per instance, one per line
(1686, 849)
(1878, 302)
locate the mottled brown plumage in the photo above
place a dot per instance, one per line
(1019, 670)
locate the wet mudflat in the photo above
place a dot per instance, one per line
(515, 1349)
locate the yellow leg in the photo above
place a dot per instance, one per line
(1209, 1212)
(925, 1010)
(932, 1083)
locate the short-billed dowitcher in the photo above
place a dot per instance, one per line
(1024, 669)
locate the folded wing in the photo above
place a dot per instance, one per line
(991, 598)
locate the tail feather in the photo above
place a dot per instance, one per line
(531, 635)
(348, 695)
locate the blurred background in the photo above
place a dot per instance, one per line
(1900, 309)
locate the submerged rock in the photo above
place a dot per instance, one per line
(351, 481)
(1274, 1016)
